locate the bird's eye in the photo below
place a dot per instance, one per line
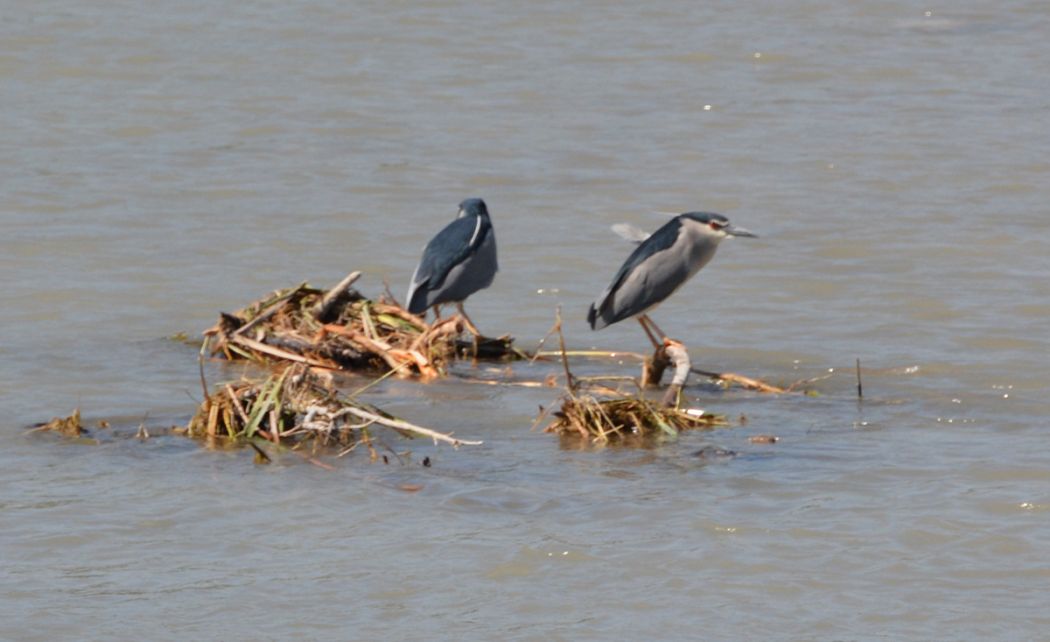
(716, 225)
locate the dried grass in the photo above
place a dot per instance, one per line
(295, 405)
(621, 416)
(606, 420)
(70, 426)
(341, 329)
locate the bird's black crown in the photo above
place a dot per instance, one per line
(474, 207)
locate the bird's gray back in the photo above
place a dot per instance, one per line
(458, 261)
(656, 268)
(475, 272)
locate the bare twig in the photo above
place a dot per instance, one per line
(741, 380)
(379, 379)
(259, 346)
(324, 307)
(261, 456)
(200, 368)
(237, 405)
(570, 384)
(539, 346)
(596, 354)
(268, 312)
(803, 382)
(404, 425)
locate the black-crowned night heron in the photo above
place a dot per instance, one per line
(457, 262)
(660, 264)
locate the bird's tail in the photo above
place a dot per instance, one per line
(592, 318)
(416, 301)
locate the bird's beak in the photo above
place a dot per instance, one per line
(739, 231)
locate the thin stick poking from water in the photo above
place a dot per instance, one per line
(860, 387)
(200, 368)
(570, 385)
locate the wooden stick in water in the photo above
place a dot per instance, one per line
(322, 309)
(746, 382)
(259, 346)
(404, 425)
(680, 360)
(268, 312)
(570, 384)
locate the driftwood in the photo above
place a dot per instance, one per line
(323, 310)
(670, 353)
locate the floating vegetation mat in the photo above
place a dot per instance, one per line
(605, 420)
(622, 416)
(296, 409)
(342, 329)
(304, 334)
(297, 405)
(70, 426)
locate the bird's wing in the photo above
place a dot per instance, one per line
(449, 247)
(658, 241)
(629, 232)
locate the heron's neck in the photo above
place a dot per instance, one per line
(702, 245)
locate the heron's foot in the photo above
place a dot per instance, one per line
(471, 328)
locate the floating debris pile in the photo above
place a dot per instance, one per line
(296, 405)
(620, 416)
(616, 418)
(341, 329)
(70, 426)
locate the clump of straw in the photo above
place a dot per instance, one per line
(70, 426)
(342, 329)
(605, 420)
(620, 416)
(296, 405)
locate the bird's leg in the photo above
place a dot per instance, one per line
(437, 313)
(649, 333)
(471, 328)
(656, 328)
